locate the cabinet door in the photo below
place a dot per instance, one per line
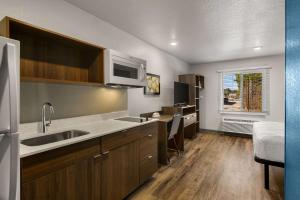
(120, 171)
(78, 181)
(68, 173)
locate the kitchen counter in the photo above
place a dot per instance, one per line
(95, 129)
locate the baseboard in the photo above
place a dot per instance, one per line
(243, 135)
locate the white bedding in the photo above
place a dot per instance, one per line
(268, 141)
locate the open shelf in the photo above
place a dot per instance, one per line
(200, 81)
(51, 57)
(55, 81)
(188, 110)
(196, 83)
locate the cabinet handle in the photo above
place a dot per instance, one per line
(149, 157)
(150, 135)
(105, 154)
(98, 156)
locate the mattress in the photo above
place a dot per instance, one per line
(268, 141)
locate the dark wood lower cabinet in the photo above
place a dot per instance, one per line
(106, 168)
(148, 155)
(77, 181)
(97, 178)
(72, 176)
(120, 171)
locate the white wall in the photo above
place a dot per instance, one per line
(210, 117)
(67, 19)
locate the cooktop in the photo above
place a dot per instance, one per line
(132, 119)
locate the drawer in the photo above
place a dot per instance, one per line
(149, 129)
(117, 139)
(189, 119)
(148, 167)
(148, 145)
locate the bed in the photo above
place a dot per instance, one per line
(268, 145)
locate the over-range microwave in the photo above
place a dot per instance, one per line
(124, 70)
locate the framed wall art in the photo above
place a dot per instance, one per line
(153, 85)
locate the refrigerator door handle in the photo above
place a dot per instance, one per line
(14, 188)
(10, 52)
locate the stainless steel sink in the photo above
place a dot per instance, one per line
(46, 139)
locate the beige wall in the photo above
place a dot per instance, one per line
(69, 100)
(210, 118)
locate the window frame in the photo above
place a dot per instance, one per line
(265, 70)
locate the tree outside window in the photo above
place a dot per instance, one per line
(243, 92)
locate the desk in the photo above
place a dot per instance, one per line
(166, 118)
(164, 122)
(186, 112)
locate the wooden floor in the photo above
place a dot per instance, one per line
(214, 166)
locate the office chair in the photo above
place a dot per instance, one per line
(174, 131)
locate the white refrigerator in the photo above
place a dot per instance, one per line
(9, 119)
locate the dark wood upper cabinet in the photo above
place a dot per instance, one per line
(47, 56)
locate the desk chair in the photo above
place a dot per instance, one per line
(174, 131)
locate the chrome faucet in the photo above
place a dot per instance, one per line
(46, 123)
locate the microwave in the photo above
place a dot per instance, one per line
(124, 70)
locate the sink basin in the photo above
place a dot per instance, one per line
(47, 139)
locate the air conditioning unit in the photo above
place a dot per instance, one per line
(237, 125)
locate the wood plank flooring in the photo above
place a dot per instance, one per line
(213, 167)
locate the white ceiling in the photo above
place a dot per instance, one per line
(206, 30)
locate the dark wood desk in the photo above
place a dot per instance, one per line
(164, 123)
(165, 118)
(185, 111)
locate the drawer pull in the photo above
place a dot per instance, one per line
(149, 157)
(105, 154)
(98, 156)
(150, 135)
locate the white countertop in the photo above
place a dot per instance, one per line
(95, 129)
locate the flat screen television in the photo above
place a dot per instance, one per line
(181, 93)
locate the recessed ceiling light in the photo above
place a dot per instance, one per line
(257, 48)
(173, 43)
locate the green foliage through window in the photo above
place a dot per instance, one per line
(243, 92)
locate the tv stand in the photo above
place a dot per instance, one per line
(196, 83)
(189, 116)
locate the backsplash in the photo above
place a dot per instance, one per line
(68, 123)
(69, 100)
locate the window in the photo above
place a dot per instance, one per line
(244, 91)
